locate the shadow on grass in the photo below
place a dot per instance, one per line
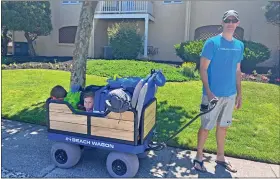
(170, 119)
(35, 114)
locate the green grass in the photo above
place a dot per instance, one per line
(255, 130)
(253, 135)
(25, 91)
(123, 68)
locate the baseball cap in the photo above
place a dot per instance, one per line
(230, 13)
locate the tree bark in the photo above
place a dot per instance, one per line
(4, 42)
(78, 72)
(31, 50)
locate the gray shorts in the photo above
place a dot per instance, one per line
(222, 113)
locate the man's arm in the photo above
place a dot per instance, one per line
(206, 57)
(238, 101)
(238, 72)
(204, 64)
(238, 79)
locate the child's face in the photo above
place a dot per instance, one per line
(88, 103)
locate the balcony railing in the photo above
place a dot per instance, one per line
(124, 7)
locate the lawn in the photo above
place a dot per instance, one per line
(254, 134)
(24, 92)
(109, 68)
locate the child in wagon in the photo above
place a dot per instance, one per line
(58, 93)
(88, 102)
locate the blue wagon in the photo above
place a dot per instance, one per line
(127, 134)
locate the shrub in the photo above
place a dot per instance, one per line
(189, 51)
(189, 69)
(254, 53)
(7, 60)
(125, 40)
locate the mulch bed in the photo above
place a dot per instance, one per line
(65, 66)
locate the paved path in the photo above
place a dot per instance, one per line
(26, 152)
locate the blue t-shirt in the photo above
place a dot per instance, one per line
(224, 56)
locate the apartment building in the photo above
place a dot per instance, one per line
(163, 23)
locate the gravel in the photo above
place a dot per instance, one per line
(12, 174)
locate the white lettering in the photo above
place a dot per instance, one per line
(103, 144)
(80, 141)
(234, 49)
(87, 142)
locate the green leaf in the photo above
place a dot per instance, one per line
(272, 12)
(125, 40)
(33, 17)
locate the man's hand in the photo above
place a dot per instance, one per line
(210, 96)
(238, 102)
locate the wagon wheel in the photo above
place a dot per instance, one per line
(65, 155)
(120, 165)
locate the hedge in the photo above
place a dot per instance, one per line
(125, 40)
(254, 53)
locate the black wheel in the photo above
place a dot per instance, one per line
(65, 155)
(122, 165)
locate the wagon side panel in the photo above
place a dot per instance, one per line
(62, 118)
(114, 125)
(149, 118)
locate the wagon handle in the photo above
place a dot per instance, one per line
(159, 146)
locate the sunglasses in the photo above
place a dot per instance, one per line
(231, 20)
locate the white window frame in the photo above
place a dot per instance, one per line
(71, 2)
(173, 2)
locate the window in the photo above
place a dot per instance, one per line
(67, 34)
(71, 2)
(172, 2)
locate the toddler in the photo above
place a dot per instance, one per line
(89, 101)
(58, 93)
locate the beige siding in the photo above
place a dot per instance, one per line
(167, 30)
(100, 37)
(251, 15)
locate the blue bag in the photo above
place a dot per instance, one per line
(127, 83)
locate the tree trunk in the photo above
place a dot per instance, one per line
(4, 42)
(31, 50)
(78, 72)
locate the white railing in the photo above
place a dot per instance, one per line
(123, 7)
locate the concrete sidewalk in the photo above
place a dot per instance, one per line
(26, 152)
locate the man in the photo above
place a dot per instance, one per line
(221, 77)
